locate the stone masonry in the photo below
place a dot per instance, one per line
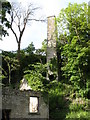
(51, 38)
(51, 42)
(17, 102)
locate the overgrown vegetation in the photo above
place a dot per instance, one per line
(13, 71)
(64, 101)
(75, 46)
(70, 97)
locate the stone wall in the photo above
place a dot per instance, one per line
(18, 103)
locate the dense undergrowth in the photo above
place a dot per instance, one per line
(65, 103)
(65, 100)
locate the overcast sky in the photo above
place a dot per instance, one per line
(37, 31)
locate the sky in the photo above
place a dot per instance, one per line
(37, 31)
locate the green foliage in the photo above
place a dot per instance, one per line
(37, 77)
(12, 64)
(74, 49)
(53, 64)
(76, 107)
(75, 45)
(30, 49)
(6, 7)
(63, 106)
(4, 74)
(56, 97)
(34, 80)
(25, 62)
(58, 105)
(44, 46)
(43, 49)
(80, 115)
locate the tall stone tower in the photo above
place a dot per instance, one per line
(51, 41)
(51, 38)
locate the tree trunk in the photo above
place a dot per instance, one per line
(59, 64)
(9, 74)
(18, 52)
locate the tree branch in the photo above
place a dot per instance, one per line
(14, 34)
(44, 20)
(77, 33)
(12, 19)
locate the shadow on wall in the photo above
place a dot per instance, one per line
(6, 114)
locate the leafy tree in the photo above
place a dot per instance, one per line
(12, 64)
(5, 8)
(30, 49)
(75, 44)
(43, 49)
(44, 46)
(25, 60)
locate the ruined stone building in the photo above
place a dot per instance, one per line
(28, 104)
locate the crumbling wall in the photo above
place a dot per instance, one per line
(18, 103)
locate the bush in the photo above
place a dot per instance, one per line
(36, 78)
(79, 115)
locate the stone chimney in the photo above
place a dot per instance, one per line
(51, 41)
(51, 38)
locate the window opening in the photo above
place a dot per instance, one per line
(34, 104)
